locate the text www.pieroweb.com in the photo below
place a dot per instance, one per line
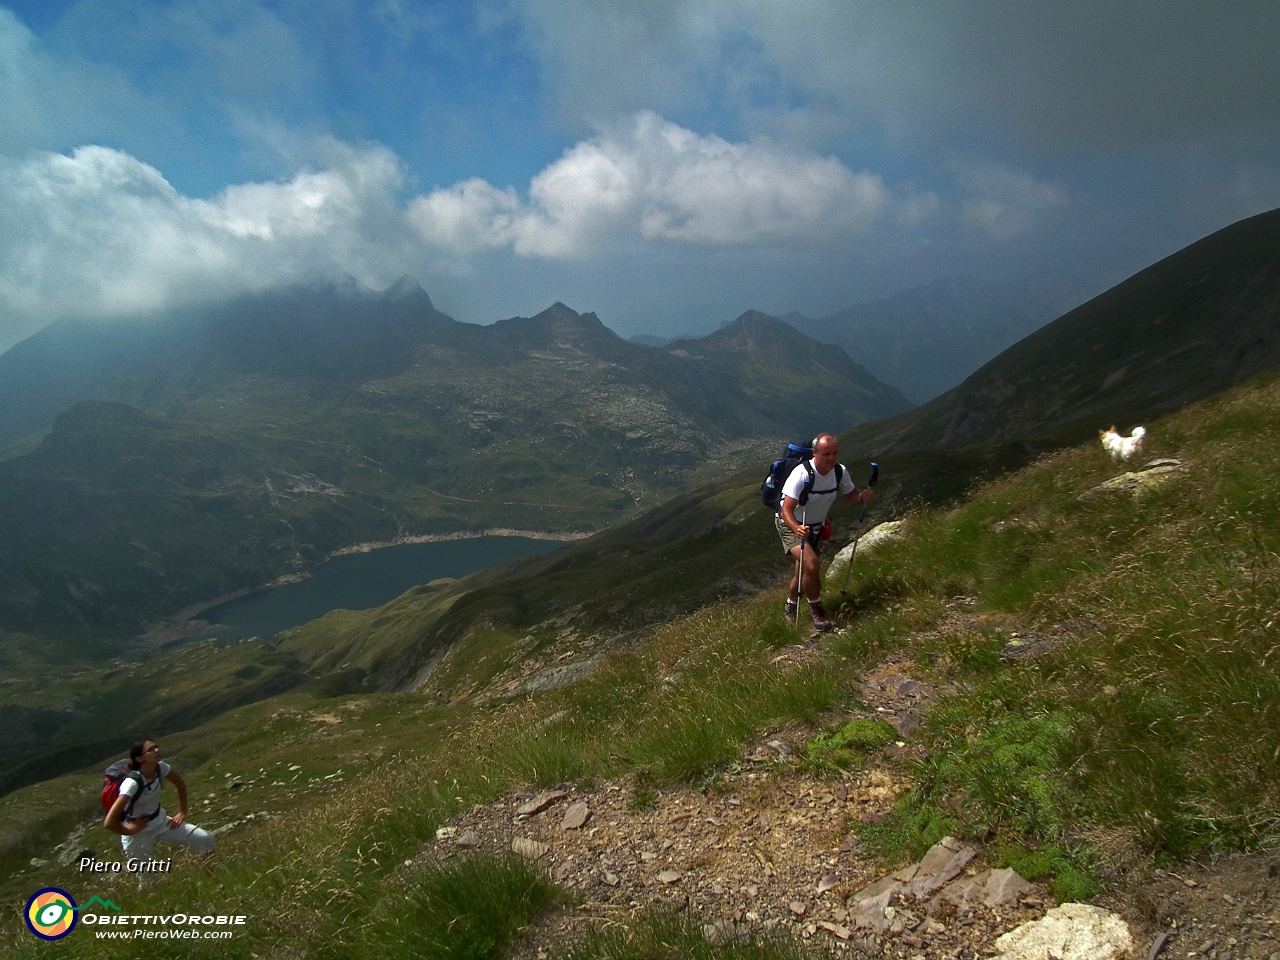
(141, 933)
(177, 926)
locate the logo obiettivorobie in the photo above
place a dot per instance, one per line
(51, 913)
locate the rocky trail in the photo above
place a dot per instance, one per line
(768, 845)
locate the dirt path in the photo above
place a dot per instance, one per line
(769, 845)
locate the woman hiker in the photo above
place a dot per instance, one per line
(141, 821)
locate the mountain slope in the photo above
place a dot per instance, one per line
(325, 337)
(547, 621)
(1194, 324)
(1233, 275)
(801, 380)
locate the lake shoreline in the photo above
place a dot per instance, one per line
(186, 623)
(459, 535)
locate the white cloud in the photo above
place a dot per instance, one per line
(467, 217)
(98, 232)
(1004, 203)
(650, 180)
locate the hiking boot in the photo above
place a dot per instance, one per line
(789, 611)
(820, 621)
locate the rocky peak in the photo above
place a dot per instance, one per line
(407, 288)
(556, 324)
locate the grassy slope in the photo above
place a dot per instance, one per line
(61, 715)
(1150, 734)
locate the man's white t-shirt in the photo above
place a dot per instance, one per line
(821, 496)
(148, 801)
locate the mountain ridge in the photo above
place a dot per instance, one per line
(334, 419)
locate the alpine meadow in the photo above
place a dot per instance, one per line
(1063, 663)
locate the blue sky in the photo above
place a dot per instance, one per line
(667, 164)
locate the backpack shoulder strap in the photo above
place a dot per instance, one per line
(839, 475)
(137, 777)
(808, 482)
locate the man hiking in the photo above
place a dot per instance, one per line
(812, 494)
(137, 815)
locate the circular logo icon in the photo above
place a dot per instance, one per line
(51, 913)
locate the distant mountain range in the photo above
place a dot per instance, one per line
(927, 339)
(193, 456)
(231, 447)
(649, 340)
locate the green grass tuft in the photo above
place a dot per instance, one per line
(544, 758)
(469, 910)
(1147, 725)
(847, 747)
(1011, 773)
(667, 935)
(1068, 877)
(909, 831)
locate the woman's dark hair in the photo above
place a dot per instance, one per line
(138, 749)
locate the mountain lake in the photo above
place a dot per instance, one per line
(358, 581)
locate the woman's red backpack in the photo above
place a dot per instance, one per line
(115, 775)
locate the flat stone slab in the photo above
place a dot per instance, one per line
(1073, 931)
(901, 685)
(872, 906)
(877, 535)
(1005, 888)
(540, 802)
(991, 888)
(575, 816)
(942, 864)
(529, 849)
(562, 870)
(868, 908)
(1137, 482)
(835, 929)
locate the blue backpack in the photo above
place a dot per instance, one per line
(795, 453)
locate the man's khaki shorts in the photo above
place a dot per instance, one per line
(789, 540)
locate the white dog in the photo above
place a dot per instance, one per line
(1122, 448)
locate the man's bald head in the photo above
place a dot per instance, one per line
(826, 449)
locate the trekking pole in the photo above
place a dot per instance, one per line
(800, 572)
(875, 475)
(800, 579)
